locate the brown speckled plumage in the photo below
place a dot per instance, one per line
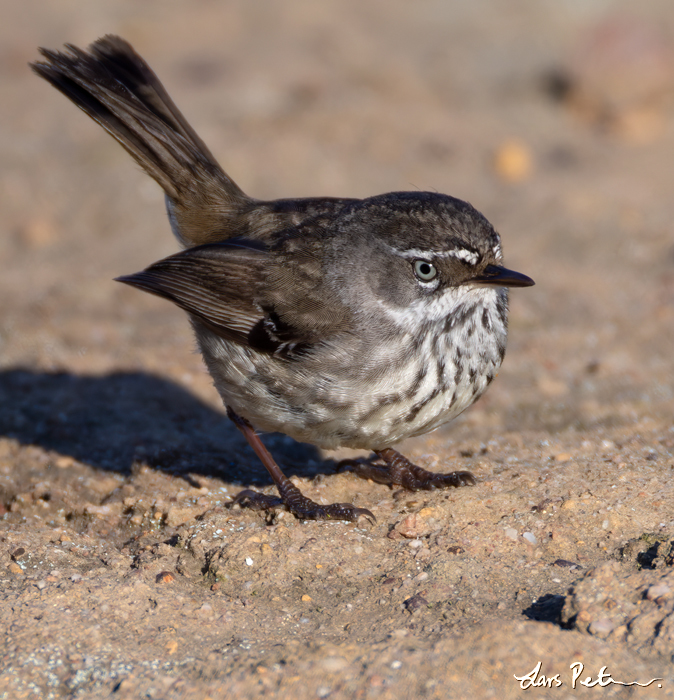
(340, 322)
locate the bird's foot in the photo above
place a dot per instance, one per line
(293, 499)
(300, 506)
(398, 470)
(255, 500)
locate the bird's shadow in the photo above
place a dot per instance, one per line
(116, 420)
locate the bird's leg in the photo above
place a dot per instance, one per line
(398, 470)
(298, 504)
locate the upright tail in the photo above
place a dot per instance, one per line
(117, 89)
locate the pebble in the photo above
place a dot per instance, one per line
(165, 577)
(510, 533)
(64, 462)
(660, 590)
(530, 537)
(416, 602)
(332, 664)
(602, 627)
(413, 526)
(513, 161)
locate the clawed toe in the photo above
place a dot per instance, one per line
(400, 470)
(347, 511)
(255, 501)
(306, 509)
(452, 479)
(301, 506)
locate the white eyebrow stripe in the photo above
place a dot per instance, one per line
(469, 256)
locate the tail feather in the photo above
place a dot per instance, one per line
(115, 87)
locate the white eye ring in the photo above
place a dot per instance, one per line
(425, 271)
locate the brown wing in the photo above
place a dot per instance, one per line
(247, 295)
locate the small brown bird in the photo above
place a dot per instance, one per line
(339, 322)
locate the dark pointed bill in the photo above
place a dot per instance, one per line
(497, 276)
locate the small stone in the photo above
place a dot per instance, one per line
(306, 598)
(414, 526)
(660, 590)
(76, 578)
(100, 512)
(530, 537)
(601, 628)
(416, 602)
(510, 533)
(165, 577)
(332, 664)
(41, 584)
(513, 161)
(566, 563)
(15, 569)
(64, 462)
(249, 561)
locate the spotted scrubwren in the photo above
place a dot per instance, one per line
(339, 322)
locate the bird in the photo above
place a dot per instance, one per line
(340, 322)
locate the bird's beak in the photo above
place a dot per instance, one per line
(497, 276)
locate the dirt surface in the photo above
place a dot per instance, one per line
(124, 574)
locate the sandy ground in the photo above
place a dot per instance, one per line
(124, 574)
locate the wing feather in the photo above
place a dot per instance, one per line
(218, 283)
(246, 294)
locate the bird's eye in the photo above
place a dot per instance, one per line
(424, 270)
